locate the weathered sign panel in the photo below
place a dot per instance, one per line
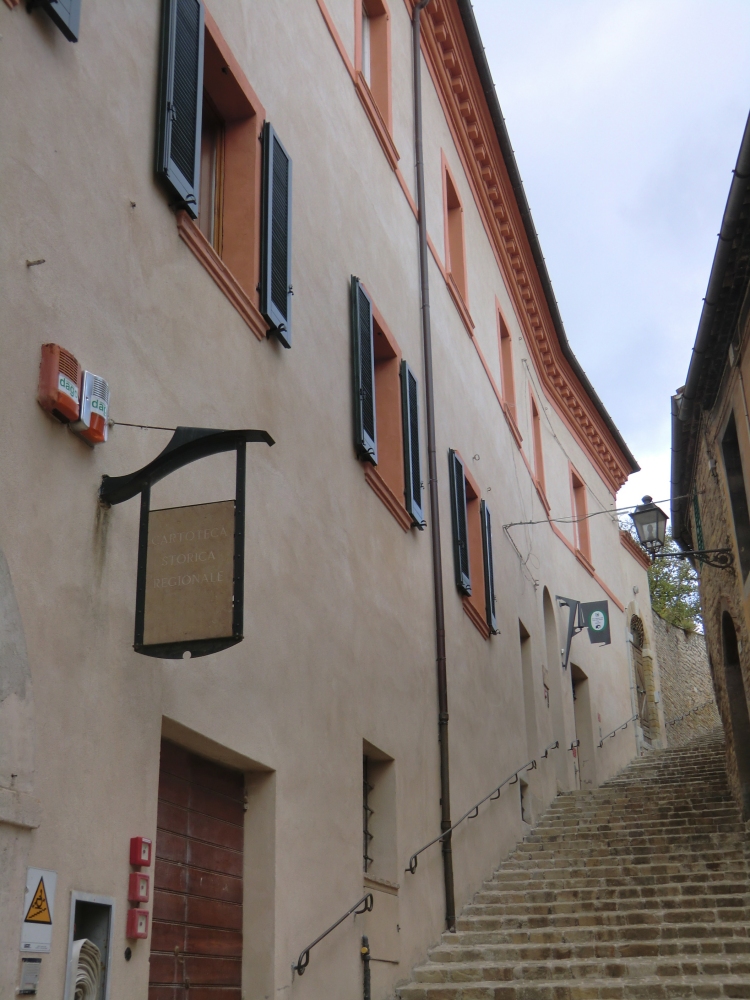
(38, 909)
(189, 592)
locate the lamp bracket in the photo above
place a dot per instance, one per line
(718, 558)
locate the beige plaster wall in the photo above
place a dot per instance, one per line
(339, 642)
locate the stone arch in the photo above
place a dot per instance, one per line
(739, 718)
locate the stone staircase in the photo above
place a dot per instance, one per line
(637, 889)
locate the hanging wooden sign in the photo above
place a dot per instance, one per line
(189, 574)
(190, 584)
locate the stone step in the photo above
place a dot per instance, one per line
(619, 917)
(631, 933)
(637, 968)
(594, 949)
(647, 988)
(547, 893)
(639, 889)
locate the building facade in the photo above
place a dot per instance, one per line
(710, 453)
(214, 208)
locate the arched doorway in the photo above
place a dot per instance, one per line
(738, 714)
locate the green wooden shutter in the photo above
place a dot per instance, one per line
(460, 523)
(363, 374)
(65, 13)
(412, 457)
(178, 131)
(489, 566)
(276, 243)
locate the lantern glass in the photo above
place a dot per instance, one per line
(651, 524)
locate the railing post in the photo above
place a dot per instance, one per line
(366, 966)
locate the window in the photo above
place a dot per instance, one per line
(210, 201)
(378, 814)
(386, 412)
(208, 157)
(373, 58)
(455, 248)
(380, 868)
(730, 449)
(472, 547)
(536, 434)
(506, 366)
(580, 512)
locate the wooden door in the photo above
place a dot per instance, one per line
(196, 939)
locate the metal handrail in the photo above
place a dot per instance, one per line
(304, 956)
(472, 813)
(616, 731)
(690, 711)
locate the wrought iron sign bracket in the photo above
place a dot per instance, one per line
(188, 444)
(718, 558)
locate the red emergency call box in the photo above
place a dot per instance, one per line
(58, 392)
(137, 924)
(140, 852)
(138, 887)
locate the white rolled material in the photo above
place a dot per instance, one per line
(87, 962)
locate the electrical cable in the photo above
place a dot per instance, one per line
(575, 520)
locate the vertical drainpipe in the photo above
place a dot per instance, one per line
(437, 561)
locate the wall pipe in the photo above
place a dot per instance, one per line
(437, 561)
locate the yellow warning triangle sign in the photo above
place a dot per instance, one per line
(39, 909)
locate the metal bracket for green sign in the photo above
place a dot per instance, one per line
(189, 444)
(593, 616)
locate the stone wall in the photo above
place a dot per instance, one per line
(686, 682)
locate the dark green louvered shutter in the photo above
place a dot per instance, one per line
(65, 13)
(412, 458)
(178, 131)
(489, 566)
(276, 245)
(363, 374)
(460, 523)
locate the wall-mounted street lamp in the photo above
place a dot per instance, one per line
(651, 524)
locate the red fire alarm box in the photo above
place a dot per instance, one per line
(59, 380)
(92, 424)
(140, 852)
(138, 888)
(137, 924)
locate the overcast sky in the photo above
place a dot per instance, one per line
(626, 118)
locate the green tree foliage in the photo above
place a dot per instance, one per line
(673, 584)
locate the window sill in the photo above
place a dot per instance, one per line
(458, 299)
(388, 497)
(542, 495)
(202, 249)
(517, 436)
(476, 618)
(382, 884)
(376, 120)
(587, 565)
